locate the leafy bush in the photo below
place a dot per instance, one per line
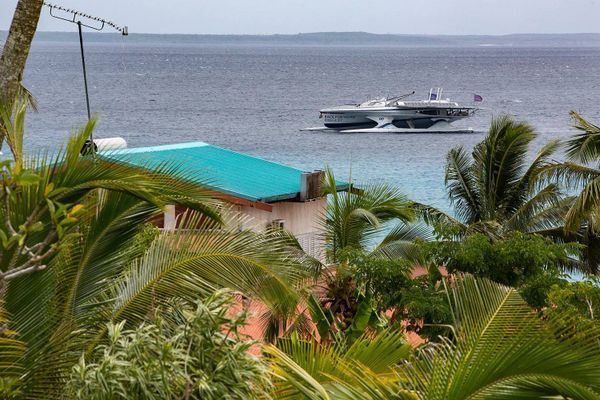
(419, 302)
(535, 289)
(381, 277)
(582, 297)
(186, 352)
(509, 261)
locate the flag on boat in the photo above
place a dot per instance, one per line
(477, 97)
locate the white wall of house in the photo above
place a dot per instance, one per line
(302, 219)
(170, 222)
(299, 217)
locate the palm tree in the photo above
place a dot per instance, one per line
(103, 266)
(581, 172)
(16, 50)
(355, 219)
(307, 369)
(359, 218)
(41, 195)
(495, 191)
(501, 350)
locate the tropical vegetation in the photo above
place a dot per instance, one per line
(405, 302)
(496, 190)
(77, 255)
(185, 350)
(98, 303)
(498, 349)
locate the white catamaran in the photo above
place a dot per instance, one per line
(396, 114)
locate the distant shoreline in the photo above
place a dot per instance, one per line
(340, 38)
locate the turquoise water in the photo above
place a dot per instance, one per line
(256, 98)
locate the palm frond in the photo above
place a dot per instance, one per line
(532, 179)
(586, 203)
(357, 217)
(252, 263)
(584, 147)
(571, 175)
(400, 241)
(305, 365)
(502, 350)
(12, 350)
(545, 202)
(380, 353)
(500, 161)
(297, 383)
(460, 183)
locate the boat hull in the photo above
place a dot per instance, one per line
(422, 118)
(439, 128)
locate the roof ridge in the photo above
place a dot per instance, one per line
(162, 147)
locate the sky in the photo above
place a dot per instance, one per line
(455, 17)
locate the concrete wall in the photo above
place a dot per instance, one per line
(302, 219)
(299, 217)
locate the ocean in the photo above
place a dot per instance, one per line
(255, 98)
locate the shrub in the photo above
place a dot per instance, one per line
(188, 351)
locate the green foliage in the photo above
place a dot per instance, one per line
(381, 277)
(9, 388)
(424, 308)
(535, 289)
(11, 350)
(191, 351)
(345, 312)
(581, 298)
(419, 303)
(43, 197)
(581, 174)
(501, 349)
(357, 218)
(510, 261)
(574, 307)
(498, 189)
(307, 369)
(107, 268)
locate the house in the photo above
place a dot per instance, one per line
(268, 192)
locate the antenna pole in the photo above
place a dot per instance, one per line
(87, 96)
(95, 23)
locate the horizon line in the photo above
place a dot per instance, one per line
(337, 32)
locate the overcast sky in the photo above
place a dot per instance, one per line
(294, 16)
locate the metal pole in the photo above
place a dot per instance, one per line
(97, 27)
(87, 97)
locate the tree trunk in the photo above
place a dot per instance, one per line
(16, 49)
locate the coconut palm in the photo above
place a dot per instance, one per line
(581, 172)
(307, 369)
(501, 350)
(16, 50)
(360, 218)
(355, 219)
(102, 267)
(495, 189)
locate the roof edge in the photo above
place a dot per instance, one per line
(152, 149)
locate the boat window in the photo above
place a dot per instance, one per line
(429, 112)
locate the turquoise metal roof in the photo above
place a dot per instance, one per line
(222, 170)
